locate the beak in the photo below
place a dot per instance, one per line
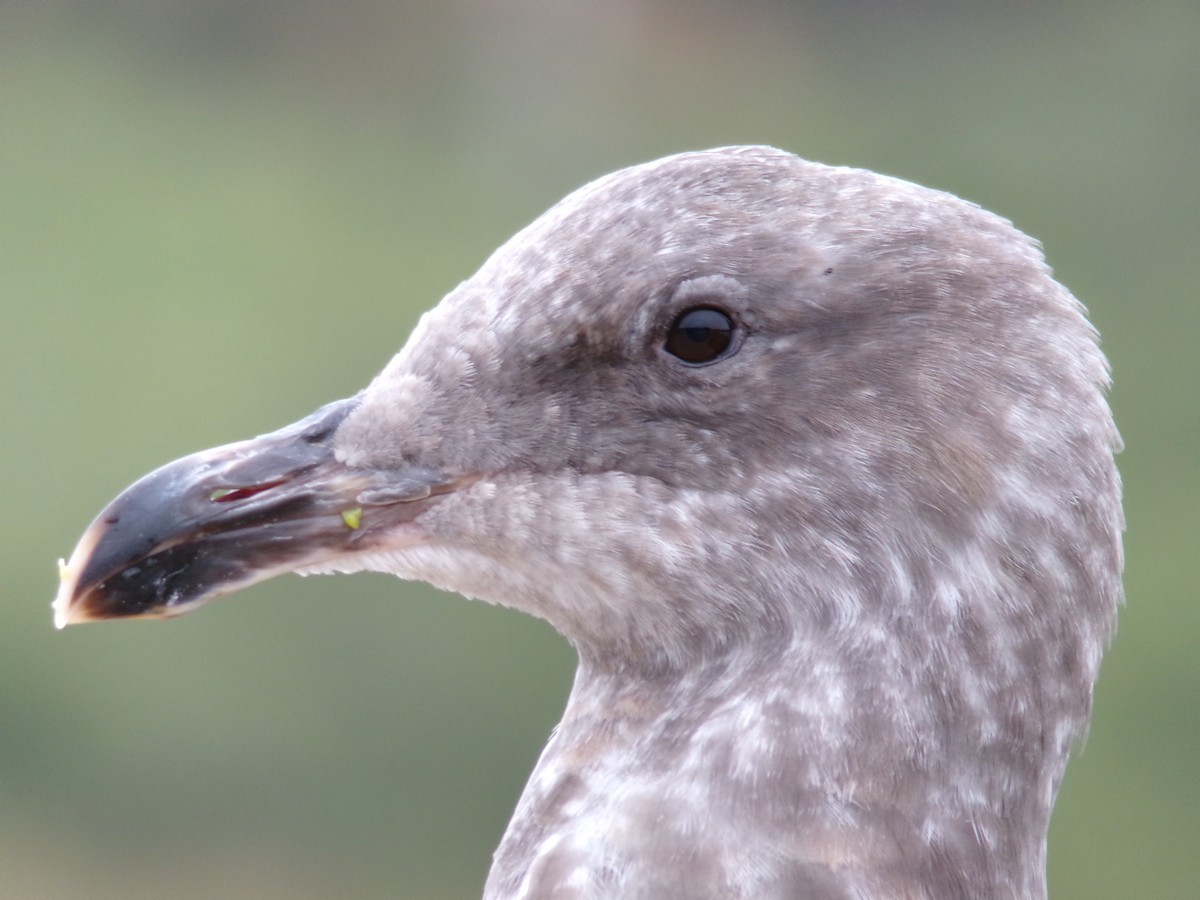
(217, 521)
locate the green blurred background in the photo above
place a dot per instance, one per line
(215, 216)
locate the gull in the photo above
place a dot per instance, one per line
(812, 466)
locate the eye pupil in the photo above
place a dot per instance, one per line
(700, 335)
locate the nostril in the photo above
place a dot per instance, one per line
(229, 495)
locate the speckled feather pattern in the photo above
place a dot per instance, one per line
(840, 599)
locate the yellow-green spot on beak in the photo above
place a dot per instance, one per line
(352, 517)
(62, 570)
(220, 493)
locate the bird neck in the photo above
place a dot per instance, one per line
(764, 776)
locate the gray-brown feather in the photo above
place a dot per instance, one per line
(840, 599)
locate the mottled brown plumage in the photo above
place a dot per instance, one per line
(839, 594)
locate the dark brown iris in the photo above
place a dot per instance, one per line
(700, 335)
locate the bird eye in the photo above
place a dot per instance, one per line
(700, 335)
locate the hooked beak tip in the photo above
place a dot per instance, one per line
(65, 611)
(68, 610)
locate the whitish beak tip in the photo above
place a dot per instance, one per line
(62, 600)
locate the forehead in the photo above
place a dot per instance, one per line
(804, 241)
(607, 249)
